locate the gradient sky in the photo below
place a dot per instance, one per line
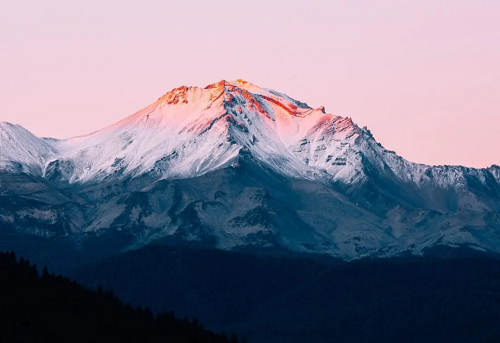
(424, 75)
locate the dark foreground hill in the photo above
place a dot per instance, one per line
(271, 299)
(51, 308)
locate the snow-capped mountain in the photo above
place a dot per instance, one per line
(239, 166)
(191, 131)
(22, 151)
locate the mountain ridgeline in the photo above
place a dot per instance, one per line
(235, 166)
(251, 211)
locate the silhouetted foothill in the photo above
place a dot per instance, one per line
(53, 308)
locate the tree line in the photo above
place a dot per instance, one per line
(44, 307)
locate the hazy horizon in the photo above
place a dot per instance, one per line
(423, 77)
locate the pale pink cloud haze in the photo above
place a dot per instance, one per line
(424, 76)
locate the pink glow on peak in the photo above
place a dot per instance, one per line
(422, 75)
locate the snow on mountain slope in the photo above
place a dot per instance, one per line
(236, 165)
(21, 151)
(179, 135)
(191, 131)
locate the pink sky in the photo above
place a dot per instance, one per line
(424, 76)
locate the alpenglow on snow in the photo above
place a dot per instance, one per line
(236, 166)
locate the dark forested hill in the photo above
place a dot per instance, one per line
(53, 309)
(270, 299)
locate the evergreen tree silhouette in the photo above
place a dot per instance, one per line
(55, 309)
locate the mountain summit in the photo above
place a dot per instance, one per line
(191, 131)
(237, 166)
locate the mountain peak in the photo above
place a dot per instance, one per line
(20, 150)
(235, 130)
(6, 124)
(241, 81)
(178, 95)
(237, 82)
(192, 130)
(185, 94)
(235, 95)
(219, 85)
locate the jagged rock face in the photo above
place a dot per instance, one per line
(233, 165)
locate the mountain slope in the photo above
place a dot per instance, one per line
(21, 151)
(190, 131)
(235, 166)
